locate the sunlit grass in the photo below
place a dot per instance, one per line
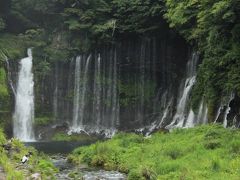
(11, 161)
(204, 152)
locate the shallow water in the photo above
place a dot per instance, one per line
(58, 152)
(70, 172)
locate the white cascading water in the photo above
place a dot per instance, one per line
(9, 76)
(104, 104)
(55, 95)
(190, 119)
(76, 91)
(225, 121)
(80, 94)
(218, 113)
(235, 122)
(83, 93)
(24, 105)
(180, 115)
(97, 92)
(202, 114)
(141, 88)
(115, 116)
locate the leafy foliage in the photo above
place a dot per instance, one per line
(214, 27)
(10, 161)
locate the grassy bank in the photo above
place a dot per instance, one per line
(62, 136)
(10, 161)
(205, 152)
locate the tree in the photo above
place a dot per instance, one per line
(214, 26)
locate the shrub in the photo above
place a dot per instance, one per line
(135, 175)
(212, 144)
(235, 147)
(173, 152)
(215, 164)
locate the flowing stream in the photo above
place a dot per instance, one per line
(58, 152)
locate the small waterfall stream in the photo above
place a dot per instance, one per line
(24, 106)
(202, 113)
(80, 93)
(76, 91)
(225, 120)
(218, 113)
(82, 102)
(180, 116)
(9, 76)
(97, 92)
(55, 94)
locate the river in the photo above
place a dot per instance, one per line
(58, 152)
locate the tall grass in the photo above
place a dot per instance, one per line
(11, 161)
(204, 152)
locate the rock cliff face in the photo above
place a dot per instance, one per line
(126, 85)
(139, 84)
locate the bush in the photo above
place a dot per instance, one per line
(235, 147)
(212, 144)
(135, 175)
(173, 152)
(215, 165)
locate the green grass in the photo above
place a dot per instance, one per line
(204, 152)
(4, 94)
(61, 136)
(10, 161)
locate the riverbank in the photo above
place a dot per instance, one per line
(10, 161)
(204, 152)
(68, 171)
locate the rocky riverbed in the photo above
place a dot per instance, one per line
(68, 171)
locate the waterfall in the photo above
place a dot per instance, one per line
(162, 118)
(24, 106)
(202, 113)
(180, 115)
(97, 92)
(55, 95)
(165, 113)
(83, 93)
(9, 76)
(114, 116)
(96, 101)
(225, 121)
(76, 91)
(140, 112)
(235, 122)
(218, 113)
(80, 89)
(190, 119)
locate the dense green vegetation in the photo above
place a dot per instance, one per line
(214, 27)
(205, 152)
(59, 29)
(10, 161)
